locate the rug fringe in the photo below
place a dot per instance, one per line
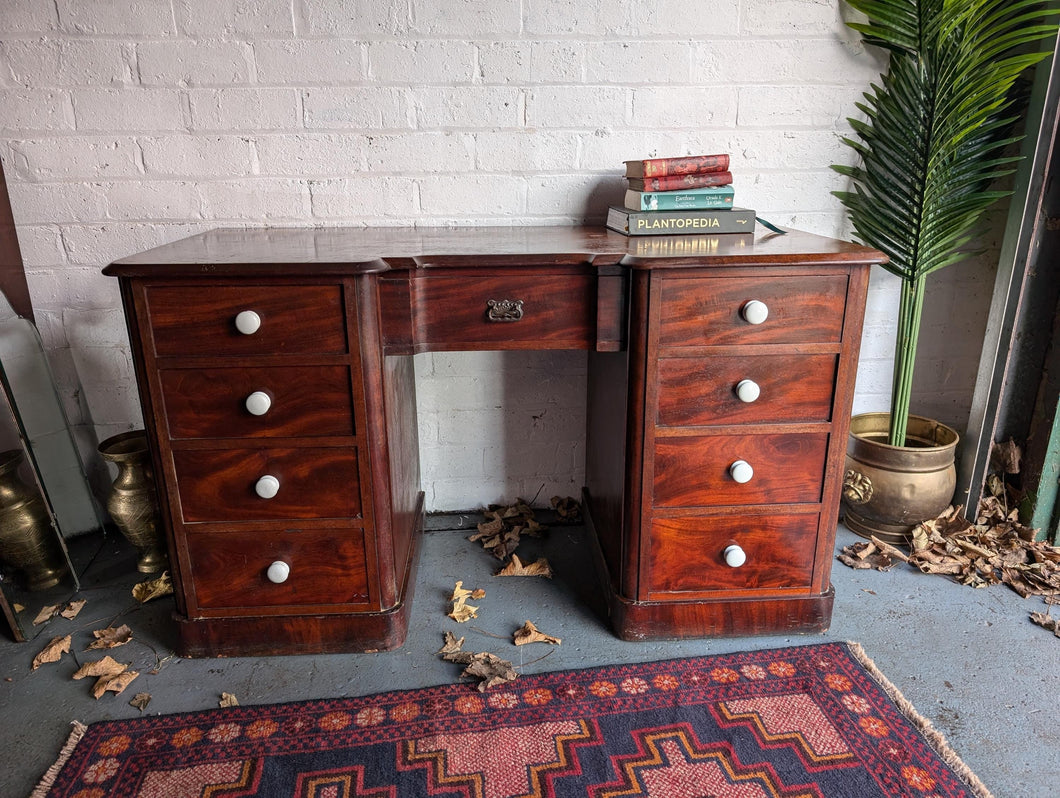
(934, 736)
(48, 779)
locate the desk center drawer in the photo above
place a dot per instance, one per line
(517, 311)
(267, 484)
(258, 402)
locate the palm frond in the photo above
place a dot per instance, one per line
(935, 130)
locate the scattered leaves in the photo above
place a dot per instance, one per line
(52, 652)
(110, 676)
(516, 568)
(995, 549)
(228, 700)
(110, 637)
(504, 527)
(462, 611)
(567, 508)
(528, 633)
(140, 701)
(153, 588)
(490, 669)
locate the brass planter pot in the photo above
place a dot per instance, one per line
(888, 490)
(133, 500)
(28, 541)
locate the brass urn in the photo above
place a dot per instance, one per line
(133, 499)
(888, 490)
(28, 541)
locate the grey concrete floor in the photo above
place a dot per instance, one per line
(969, 660)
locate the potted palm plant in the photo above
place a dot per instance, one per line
(935, 138)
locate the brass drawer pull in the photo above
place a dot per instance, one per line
(504, 310)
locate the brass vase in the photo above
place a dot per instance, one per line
(28, 540)
(133, 499)
(888, 490)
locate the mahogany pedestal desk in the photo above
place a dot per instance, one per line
(275, 373)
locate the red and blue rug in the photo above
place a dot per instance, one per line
(813, 721)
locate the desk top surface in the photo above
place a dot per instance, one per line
(359, 250)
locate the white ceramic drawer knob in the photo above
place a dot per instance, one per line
(278, 572)
(741, 471)
(747, 390)
(248, 322)
(734, 556)
(754, 312)
(259, 402)
(267, 486)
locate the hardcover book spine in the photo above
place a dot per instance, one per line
(678, 182)
(684, 165)
(646, 223)
(708, 198)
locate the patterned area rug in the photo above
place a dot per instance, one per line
(807, 722)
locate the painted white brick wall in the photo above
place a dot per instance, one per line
(130, 123)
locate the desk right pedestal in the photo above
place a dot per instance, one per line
(716, 444)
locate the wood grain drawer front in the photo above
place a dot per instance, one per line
(325, 567)
(710, 311)
(703, 391)
(201, 320)
(688, 554)
(539, 311)
(223, 484)
(258, 402)
(695, 471)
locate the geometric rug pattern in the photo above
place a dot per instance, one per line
(815, 721)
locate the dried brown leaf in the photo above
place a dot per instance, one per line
(72, 608)
(490, 669)
(113, 684)
(110, 637)
(452, 644)
(1005, 456)
(140, 701)
(228, 700)
(566, 508)
(528, 633)
(101, 667)
(46, 614)
(153, 588)
(461, 611)
(1047, 621)
(516, 568)
(52, 652)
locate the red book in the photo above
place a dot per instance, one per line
(678, 182)
(682, 165)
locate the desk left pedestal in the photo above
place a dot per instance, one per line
(285, 441)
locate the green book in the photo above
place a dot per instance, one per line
(662, 223)
(709, 197)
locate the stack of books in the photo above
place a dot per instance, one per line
(679, 196)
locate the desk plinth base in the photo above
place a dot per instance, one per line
(636, 620)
